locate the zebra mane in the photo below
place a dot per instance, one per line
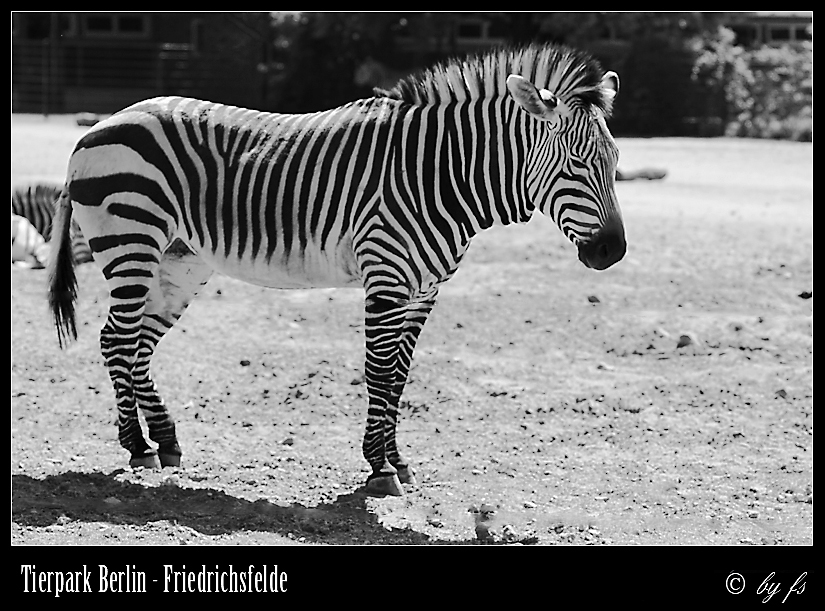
(572, 75)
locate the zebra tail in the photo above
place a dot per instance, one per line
(62, 278)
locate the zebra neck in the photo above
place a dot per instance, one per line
(482, 163)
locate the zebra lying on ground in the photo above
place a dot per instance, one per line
(36, 202)
(382, 193)
(644, 173)
(28, 247)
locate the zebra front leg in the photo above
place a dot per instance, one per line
(415, 318)
(384, 326)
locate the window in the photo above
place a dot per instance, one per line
(131, 25)
(100, 24)
(780, 33)
(470, 29)
(802, 33)
(38, 26)
(746, 35)
(124, 25)
(498, 28)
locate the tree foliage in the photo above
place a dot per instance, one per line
(682, 73)
(317, 54)
(767, 91)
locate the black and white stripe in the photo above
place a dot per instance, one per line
(383, 193)
(36, 202)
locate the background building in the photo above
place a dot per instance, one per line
(101, 62)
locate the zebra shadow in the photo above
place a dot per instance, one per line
(58, 500)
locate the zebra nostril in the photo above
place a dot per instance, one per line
(603, 252)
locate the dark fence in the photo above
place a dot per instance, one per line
(95, 77)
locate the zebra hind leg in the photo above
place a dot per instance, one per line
(119, 340)
(146, 298)
(179, 279)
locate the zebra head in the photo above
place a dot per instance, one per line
(571, 168)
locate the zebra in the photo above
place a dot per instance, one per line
(28, 247)
(383, 193)
(36, 202)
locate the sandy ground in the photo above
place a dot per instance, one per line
(581, 421)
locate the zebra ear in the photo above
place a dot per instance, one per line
(540, 104)
(610, 84)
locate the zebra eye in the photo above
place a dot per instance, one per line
(548, 98)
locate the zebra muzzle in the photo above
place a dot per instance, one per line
(605, 248)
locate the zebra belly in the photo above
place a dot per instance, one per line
(313, 267)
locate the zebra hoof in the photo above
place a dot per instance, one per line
(406, 475)
(169, 460)
(169, 454)
(147, 461)
(383, 485)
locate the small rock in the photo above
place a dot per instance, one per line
(244, 363)
(605, 367)
(529, 505)
(806, 294)
(171, 480)
(509, 534)
(288, 441)
(782, 393)
(687, 339)
(112, 501)
(593, 299)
